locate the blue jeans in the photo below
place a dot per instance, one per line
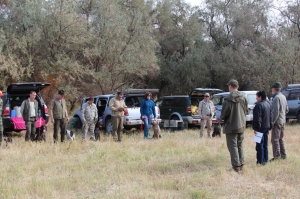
(262, 148)
(147, 122)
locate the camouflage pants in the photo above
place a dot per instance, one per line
(88, 126)
(1, 129)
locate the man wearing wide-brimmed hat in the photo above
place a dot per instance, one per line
(279, 109)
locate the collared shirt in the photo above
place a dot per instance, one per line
(31, 109)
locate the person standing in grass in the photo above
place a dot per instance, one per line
(117, 107)
(89, 114)
(262, 123)
(234, 111)
(279, 109)
(147, 110)
(59, 115)
(29, 111)
(206, 111)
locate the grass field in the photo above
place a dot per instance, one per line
(180, 165)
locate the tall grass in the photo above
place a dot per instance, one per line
(180, 165)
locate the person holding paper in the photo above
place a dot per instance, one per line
(262, 124)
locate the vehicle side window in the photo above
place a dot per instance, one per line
(251, 98)
(179, 102)
(294, 96)
(130, 101)
(167, 102)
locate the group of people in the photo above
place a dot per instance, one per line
(118, 107)
(266, 116)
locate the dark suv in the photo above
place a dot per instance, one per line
(14, 96)
(292, 94)
(184, 107)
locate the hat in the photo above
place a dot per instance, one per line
(206, 94)
(61, 92)
(233, 82)
(276, 85)
(1, 94)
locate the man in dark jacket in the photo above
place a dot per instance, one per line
(29, 111)
(234, 111)
(262, 124)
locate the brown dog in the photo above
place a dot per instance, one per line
(156, 129)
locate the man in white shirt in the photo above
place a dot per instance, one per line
(29, 111)
(206, 111)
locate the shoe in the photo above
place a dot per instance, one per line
(242, 167)
(274, 159)
(283, 157)
(236, 169)
(92, 139)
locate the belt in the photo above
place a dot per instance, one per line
(209, 115)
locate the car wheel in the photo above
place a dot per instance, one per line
(108, 126)
(298, 118)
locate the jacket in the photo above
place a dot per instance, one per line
(147, 108)
(279, 109)
(202, 111)
(89, 112)
(59, 108)
(114, 104)
(234, 111)
(261, 116)
(25, 109)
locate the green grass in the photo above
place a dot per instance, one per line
(180, 165)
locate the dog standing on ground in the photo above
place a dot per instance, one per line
(156, 129)
(70, 135)
(40, 134)
(217, 130)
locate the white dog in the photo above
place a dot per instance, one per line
(70, 135)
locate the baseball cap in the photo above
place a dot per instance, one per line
(233, 82)
(206, 94)
(276, 85)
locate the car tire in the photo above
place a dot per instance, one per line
(298, 118)
(108, 126)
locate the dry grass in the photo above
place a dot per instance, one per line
(178, 166)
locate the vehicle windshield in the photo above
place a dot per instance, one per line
(217, 100)
(251, 98)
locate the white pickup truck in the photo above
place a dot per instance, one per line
(132, 98)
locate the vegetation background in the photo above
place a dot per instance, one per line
(92, 47)
(180, 165)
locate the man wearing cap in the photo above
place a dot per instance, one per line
(206, 111)
(234, 111)
(1, 125)
(59, 115)
(90, 117)
(279, 109)
(29, 111)
(117, 107)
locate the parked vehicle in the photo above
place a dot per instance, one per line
(14, 96)
(184, 107)
(132, 98)
(292, 94)
(218, 100)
